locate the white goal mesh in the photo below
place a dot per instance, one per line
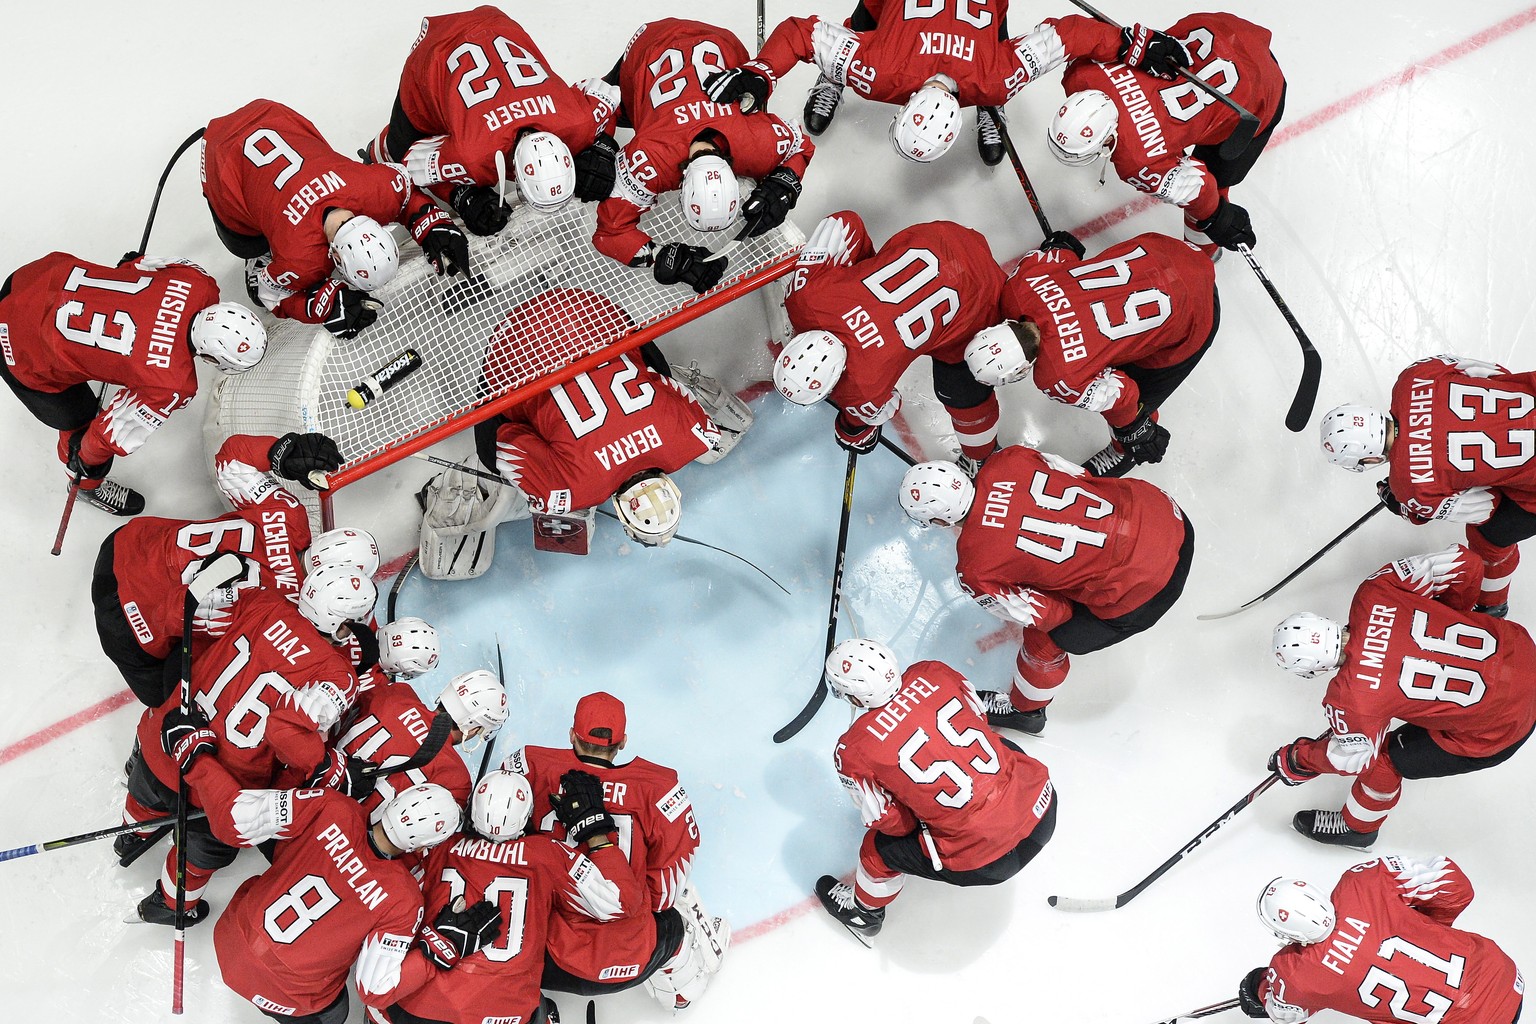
(467, 332)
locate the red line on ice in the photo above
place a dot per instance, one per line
(96, 711)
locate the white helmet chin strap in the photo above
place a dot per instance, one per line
(1104, 157)
(473, 743)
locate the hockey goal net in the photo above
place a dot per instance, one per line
(477, 357)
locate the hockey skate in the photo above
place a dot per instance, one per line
(821, 105)
(252, 268)
(1001, 714)
(989, 135)
(1111, 460)
(1498, 611)
(969, 466)
(114, 499)
(153, 910)
(1329, 828)
(837, 899)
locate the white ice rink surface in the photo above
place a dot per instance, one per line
(1393, 210)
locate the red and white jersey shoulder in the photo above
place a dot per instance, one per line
(929, 758)
(1149, 301)
(1042, 535)
(387, 726)
(926, 291)
(1462, 423)
(1393, 955)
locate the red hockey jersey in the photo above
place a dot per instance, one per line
(1393, 955)
(926, 292)
(1149, 301)
(1160, 121)
(67, 321)
(1043, 536)
(927, 759)
(386, 726)
(1457, 430)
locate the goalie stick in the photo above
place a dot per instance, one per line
(1204, 1011)
(1075, 905)
(1311, 363)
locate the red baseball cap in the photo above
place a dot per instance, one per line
(600, 711)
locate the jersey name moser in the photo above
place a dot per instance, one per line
(311, 193)
(899, 707)
(1069, 335)
(518, 110)
(1378, 636)
(1421, 414)
(1141, 112)
(339, 848)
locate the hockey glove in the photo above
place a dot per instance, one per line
(579, 806)
(746, 89)
(595, 169)
(480, 208)
(441, 241)
(186, 736)
(688, 264)
(1287, 762)
(1229, 227)
(1384, 492)
(769, 203)
(296, 455)
(1064, 240)
(349, 776)
(1143, 439)
(1248, 993)
(352, 312)
(460, 931)
(77, 464)
(853, 436)
(1157, 53)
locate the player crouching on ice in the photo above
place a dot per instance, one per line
(981, 811)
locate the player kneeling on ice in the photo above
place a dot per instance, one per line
(863, 316)
(1081, 563)
(933, 60)
(1414, 649)
(1138, 317)
(672, 946)
(143, 568)
(1381, 948)
(979, 811)
(1166, 140)
(459, 150)
(296, 210)
(1458, 437)
(142, 325)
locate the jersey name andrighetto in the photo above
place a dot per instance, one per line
(1140, 109)
(1421, 416)
(882, 723)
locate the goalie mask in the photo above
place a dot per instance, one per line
(336, 594)
(865, 673)
(420, 817)
(810, 367)
(1308, 645)
(477, 703)
(501, 805)
(710, 196)
(1296, 911)
(649, 508)
(927, 124)
(365, 253)
(408, 648)
(1083, 127)
(546, 174)
(230, 335)
(355, 549)
(937, 494)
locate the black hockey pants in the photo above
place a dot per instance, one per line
(336, 1013)
(669, 940)
(1230, 172)
(1416, 755)
(144, 673)
(1156, 384)
(906, 854)
(204, 851)
(1085, 632)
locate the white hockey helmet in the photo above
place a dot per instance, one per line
(501, 805)
(546, 174)
(810, 366)
(230, 335)
(335, 594)
(1084, 127)
(477, 703)
(420, 817)
(996, 357)
(936, 492)
(710, 196)
(1296, 911)
(365, 253)
(408, 648)
(1309, 645)
(865, 673)
(927, 124)
(649, 508)
(344, 545)
(1354, 436)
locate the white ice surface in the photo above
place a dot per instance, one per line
(1396, 228)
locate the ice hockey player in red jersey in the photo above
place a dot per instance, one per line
(1462, 682)
(141, 325)
(478, 100)
(1081, 563)
(977, 812)
(295, 210)
(1460, 438)
(1165, 139)
(141, 574)
(685, 140)
(1115, 335)
(1381, 948)
(864, 316)
(533, 881)
(931, 61)
(675, 948)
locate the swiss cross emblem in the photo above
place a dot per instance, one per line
(556, 527)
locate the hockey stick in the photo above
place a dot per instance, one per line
(896, 449)
(1018, 168)
(814, 704)
(1247, 123)
(501, 677)
(437, 735)
(91, 837)
(1116, 902)
(1204, 1011)
(1303, 567)
(394, 590)
(74, 487)
(761, 35)
(1311, 362)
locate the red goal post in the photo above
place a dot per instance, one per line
(459, 326)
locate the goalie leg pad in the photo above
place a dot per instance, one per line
(458, 524)
(571, 535)
(686, 975)
(724, 408)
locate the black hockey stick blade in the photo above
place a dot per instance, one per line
(1306, 391)
(394, 590)
(437, 735)
(1242, 135)
(501, 677)
(1204, 1011)
(807, 713)
(144, 845)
